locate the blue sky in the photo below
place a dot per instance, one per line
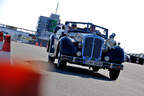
(124, 17)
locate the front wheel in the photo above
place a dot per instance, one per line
(51, 59)
(114, 74)
(61, 64)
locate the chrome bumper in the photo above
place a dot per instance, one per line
(101, 64)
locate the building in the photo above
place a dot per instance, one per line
(46, 26)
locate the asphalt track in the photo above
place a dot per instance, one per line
(80, 81)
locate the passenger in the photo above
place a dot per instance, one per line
(57, 28)
(64, 30)
(61, 32)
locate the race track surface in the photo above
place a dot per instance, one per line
(80, 81)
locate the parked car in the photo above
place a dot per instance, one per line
(141, 59)
(78, 43)
(133, 58)
(127, 58)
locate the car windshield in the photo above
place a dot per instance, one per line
(87, 28)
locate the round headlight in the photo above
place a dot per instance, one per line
(78, 37)
(78, 53)
(106, 58)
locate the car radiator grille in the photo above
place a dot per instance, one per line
(92, 48)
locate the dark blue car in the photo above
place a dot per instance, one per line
(85, 44)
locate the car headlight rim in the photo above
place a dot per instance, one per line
(79, 53)
(107, 58)
(78, 37)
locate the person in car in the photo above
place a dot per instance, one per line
(61, 32)
(93, 30)
(74, 26)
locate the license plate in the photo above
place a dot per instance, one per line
(90, 62)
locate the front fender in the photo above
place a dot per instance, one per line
(51, 43)
(67, 47)
(116, 55)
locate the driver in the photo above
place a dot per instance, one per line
(74, 26)
(92, 29)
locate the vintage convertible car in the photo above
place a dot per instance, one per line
(85, 44)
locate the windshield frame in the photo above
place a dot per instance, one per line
(87, 29)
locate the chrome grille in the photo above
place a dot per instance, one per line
(88, 46)
(92, 48)
(97, 48)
